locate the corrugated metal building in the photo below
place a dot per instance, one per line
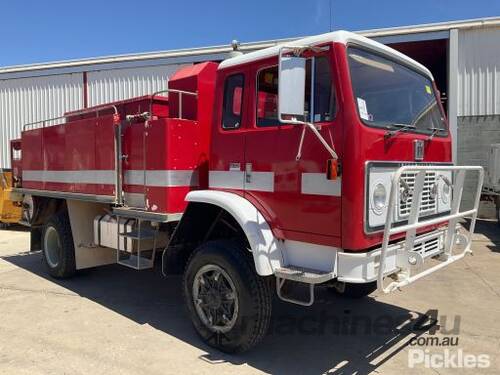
(464, 57)
(36, 92)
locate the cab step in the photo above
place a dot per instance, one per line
(303, 275)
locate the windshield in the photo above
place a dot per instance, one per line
(389, 94)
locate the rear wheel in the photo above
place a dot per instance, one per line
(229, 304)
(57, 246)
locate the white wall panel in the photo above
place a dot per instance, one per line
(27, 100)
(110, 85)
(479, 72)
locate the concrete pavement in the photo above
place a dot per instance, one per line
(113, 320)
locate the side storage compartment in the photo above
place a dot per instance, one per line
(135, 241)
(106, 232)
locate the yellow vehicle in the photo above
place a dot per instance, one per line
(10, 212)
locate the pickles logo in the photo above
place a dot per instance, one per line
(447, 359)
(423, 351)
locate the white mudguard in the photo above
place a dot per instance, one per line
(81, 216)
(266, 249)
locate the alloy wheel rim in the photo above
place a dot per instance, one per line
(215, 298)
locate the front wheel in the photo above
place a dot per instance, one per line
(229, 304)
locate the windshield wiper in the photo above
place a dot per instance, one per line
(401, 128)
(434, 132)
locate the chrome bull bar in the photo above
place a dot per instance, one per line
(409, 258)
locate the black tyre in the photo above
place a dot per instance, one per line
(229, 304)
(57, 246)
(355, 291)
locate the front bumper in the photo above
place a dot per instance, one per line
(404, 262)
(364, 267)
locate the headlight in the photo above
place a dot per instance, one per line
(379, 197)
(404, 194)
(445, 192)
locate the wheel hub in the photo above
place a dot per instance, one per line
(52, 247)
(215, 298)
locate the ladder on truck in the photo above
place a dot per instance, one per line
(145, 231)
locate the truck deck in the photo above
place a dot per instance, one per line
(138, 153)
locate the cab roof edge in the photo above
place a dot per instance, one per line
(340, 36)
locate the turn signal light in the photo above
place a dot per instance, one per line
(332, 169)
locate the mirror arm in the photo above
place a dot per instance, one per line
(322, 140)
(315, 131)
(297, 50)
(299, 151)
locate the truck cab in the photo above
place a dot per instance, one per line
(373, 106)
(338, 149)
(376, 109)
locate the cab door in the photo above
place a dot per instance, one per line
(228, 132)
(286, 181)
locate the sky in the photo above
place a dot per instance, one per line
(33, 31)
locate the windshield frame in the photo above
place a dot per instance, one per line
(442, 133)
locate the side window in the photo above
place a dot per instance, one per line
(323, 93)
(267, 96)
(233, 101)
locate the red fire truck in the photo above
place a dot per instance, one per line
(326, 161)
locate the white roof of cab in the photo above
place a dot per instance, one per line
(340, 36)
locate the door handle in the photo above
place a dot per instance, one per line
(248, 173)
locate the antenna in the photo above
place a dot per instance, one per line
(331, 1)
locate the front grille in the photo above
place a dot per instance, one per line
(428, 248)
(428, 202)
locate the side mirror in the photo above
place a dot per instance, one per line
(291, 88)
